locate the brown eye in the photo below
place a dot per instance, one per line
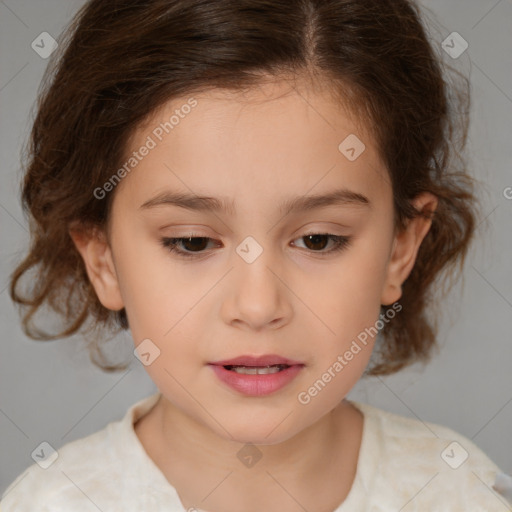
(317, 242)
(194, 244)
(186, 246)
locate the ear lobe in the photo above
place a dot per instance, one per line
(405, 249)
(93, 246)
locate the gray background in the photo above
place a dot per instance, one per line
(49, 391)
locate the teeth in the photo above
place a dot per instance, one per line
(256, 370)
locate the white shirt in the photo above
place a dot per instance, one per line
(404, 465)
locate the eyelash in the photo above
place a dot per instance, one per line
(171, 244)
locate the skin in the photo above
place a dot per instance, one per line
(257, 148)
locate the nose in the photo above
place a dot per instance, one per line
(257, 297)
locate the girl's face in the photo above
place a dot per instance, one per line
(251, 282)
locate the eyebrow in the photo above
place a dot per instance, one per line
(339, 197)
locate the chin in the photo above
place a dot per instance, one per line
(266, 429)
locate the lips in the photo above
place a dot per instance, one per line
(265, 360)
(256, 375)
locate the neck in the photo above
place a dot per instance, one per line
(210, 472)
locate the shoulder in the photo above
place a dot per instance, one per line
(426, 466)
(100, 471)
(44, 486)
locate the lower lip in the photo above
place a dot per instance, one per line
(256, 385)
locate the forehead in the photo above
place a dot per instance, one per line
(276, 140)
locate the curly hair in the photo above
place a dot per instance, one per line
(119, 61)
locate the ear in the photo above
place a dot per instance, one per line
(405, 249)
(93, 246)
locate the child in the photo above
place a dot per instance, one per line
(256, 190)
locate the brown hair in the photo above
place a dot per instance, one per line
(120, 60)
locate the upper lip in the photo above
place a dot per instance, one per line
(264, 360)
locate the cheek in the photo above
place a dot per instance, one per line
(156, 291)
(349, 296)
